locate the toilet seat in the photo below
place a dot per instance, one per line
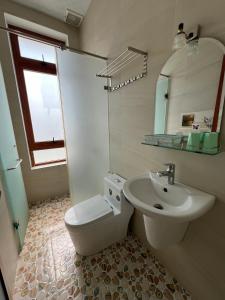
(100, 221)
(90, 210)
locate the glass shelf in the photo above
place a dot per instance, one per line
(181, 149)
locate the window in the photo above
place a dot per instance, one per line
(36, 71)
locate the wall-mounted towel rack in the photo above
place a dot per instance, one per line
(121, 62)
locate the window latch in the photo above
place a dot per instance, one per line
(43, 60)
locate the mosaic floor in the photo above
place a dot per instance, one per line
(49, 267)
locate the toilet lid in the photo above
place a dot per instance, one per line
(88, 211)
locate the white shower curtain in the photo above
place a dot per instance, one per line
(85, 111)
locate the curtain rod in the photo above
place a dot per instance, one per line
(57, 45)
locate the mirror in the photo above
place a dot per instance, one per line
(190, 90)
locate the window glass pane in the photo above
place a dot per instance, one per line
(45, 106)
(35, 50)
(43, 156)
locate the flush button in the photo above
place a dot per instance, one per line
(110, 192)
(118, 198)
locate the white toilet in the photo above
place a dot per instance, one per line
(100, 221)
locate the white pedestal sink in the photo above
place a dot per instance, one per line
(167, 209)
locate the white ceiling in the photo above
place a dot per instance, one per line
(57, 8)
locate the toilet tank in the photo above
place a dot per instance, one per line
(113, 191)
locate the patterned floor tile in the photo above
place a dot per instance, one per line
(49, 268)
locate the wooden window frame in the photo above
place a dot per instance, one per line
(24, 63)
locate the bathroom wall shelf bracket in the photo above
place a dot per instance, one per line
(218, 151)
(177, 142)
(121, 62)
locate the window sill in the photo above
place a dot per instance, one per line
(49, 166)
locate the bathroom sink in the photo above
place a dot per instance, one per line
(167, 209)
(156, 198)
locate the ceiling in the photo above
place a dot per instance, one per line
(57, 8)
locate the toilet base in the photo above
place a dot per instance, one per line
(90, 239)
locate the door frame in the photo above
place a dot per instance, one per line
(3, 286)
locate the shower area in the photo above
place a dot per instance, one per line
(85, 114)
(83, 99)
(73, 94)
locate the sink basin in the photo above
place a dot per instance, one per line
(167, 209)
(177, 203)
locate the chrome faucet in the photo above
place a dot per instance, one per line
(169, 172)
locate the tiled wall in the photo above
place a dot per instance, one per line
(109, 27)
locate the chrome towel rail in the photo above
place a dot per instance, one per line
(19, 161)
(121, 62)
